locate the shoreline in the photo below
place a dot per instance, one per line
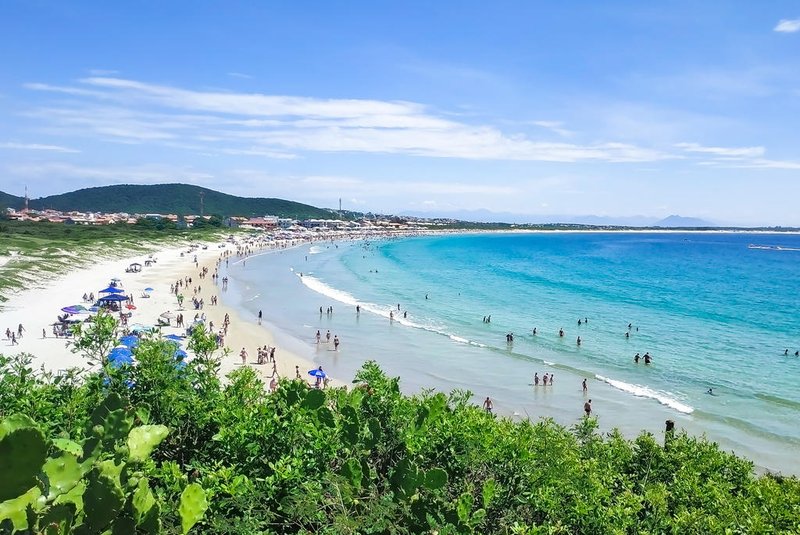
(30, 307)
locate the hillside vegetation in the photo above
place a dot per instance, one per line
(367, 459)
(169, 199)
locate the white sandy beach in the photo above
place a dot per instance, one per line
(37, 309)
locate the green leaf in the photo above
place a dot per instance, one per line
(143, 501)
(123, 525)
(405, 477)
(142, 440)
(435, 479)
(22, 453)
(325, 417)
(70, 446)
(464, 507)
(314, 399)
(193, 506)
(489, 492)
(63, 473)
(58, 519)
(102, 501)
(352, 471)
(15, 510)
(14, 422)
(374, 432)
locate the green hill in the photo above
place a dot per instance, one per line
(171, 199)
(10, 201)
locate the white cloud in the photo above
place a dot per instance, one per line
(554, 126)
(102, 72)
(277, 125)
(788, 26)
(725, 152)
(36, 146)
(140, 174)
(239, 75)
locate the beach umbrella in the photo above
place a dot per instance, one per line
(130, 340)
(94, 309)
(70, 310)
(138, 327)
(148, 289)
(174, 337)
(111, 290)
(317, 373)
(180, 354)
(167, 315)
(120, 356)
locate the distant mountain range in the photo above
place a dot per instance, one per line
(487, 216)
(184, 199)
(181, 199)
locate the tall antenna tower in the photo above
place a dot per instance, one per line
(202, 208)
(340, 207)
(26, 198)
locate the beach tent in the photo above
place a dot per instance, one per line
(111, 290)
(113, 298)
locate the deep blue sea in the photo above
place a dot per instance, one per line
(712, 311)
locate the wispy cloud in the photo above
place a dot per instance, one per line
(554, 126)
(277, 125)
(239, 75)
(788, 26)
(729, 152)
(36, 146)
(141, 174)
(103, 72)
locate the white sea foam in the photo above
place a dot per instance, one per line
(646, 392)
(315, 249)
(549, 363)
(387, 312)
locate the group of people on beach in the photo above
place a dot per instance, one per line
(14, 336)
(328, 339)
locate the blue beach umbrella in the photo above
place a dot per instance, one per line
(114, 297)
(317, 373)
(120, 356)
(174, 337)
(70, 310)
(131, 341)
(148, 289)
(180, 354)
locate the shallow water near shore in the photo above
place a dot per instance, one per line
(713, 312)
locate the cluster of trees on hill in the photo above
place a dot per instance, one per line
(181, 199)
(366, 459)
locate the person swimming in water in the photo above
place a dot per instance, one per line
(647, 358)
(561, 333)
(710, 392)
(579, 340)
(636, 358)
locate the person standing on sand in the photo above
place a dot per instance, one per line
(487, 405)
(20, 330)
(585, 388)
(259, 317)
(297, 372)
(587, 408)
(328, 336)
(243, 354)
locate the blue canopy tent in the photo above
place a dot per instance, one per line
(111, 290)
(174, 337)
(113, 298)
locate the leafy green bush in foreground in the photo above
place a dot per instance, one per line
(371, 460)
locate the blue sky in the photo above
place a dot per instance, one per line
(606, 108)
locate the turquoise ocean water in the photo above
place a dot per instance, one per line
(713, 312)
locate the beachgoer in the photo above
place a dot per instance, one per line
(297, 372)
(273, 384)
(20, 330)
(579, 340)
(487, 404)
(534, 331)
(259, 317)
(587, 407)
(319, 336)
(545, 380)
(786, 351)
(627, 334)
(551, 378)
(636, 358)
(647, 358)
(710, 391)
(561, 333)
(579, 322)
(585, 388)
(328, 336)
(358, 309)
(336, 342)
(536, 379)
(405, 313)
(391, 315)
(243, 354)
(14, 341)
